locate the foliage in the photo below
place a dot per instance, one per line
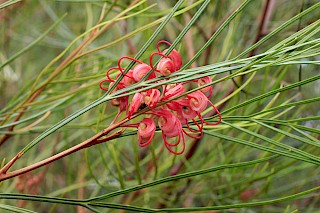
(60, 153)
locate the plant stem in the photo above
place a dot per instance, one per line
(85, 144)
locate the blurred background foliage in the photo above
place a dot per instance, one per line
(35, 33)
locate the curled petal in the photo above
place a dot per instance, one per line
(174, 105)
(165, 66)
(146, 131)
(141, 70)
(166, 120)
(146, 127)
(121, 69)
(151, 60)
(183, 109)
(170, 125)
(175, 131)
(198, 101)
(136, 102)
(188, 113)
(145, 141)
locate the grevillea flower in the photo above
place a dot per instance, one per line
(151, 97)
(175, 118)
(136, 102)
(146, 130)
(186, 111)
(174, 54)
(198, 101)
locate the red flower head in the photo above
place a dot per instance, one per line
(172, 115)
(146, 131)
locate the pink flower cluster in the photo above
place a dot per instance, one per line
(173, 117)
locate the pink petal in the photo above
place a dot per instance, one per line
(140, 71)
(136, 102)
